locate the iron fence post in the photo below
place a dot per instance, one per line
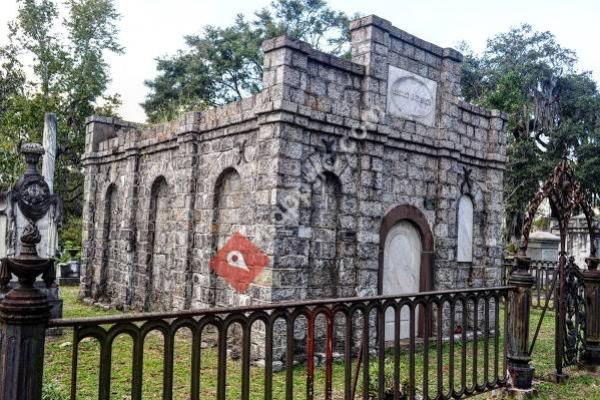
(25, 310)
(520, 372)
(24, 314)
(591, 281)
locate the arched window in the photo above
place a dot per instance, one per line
(227, 219)
(324, 249)
(109, 241)
(158, 248)
(464, 246)
(228, 201)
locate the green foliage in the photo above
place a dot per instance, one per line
(70, 232)
(224, 64)
(12, 80)
(70, 77)
(512, 248)
(541, 223)
(551, 107)
(53, 391)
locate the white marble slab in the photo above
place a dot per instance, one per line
(401, 271)
(411, 96)
(464, 250)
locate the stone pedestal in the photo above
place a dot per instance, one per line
(519, 369)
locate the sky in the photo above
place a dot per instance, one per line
(154, 28)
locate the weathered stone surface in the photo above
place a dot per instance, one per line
(411, 96)
(465, 230)
(306, 169)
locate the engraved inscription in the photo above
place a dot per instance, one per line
(411, 96)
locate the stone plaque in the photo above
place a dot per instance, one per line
(411, 96)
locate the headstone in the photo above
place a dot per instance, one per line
(69, 271)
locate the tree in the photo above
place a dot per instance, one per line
(92, 32)
(69, 77)
(551, 108)
(12, 80)
(225, 64)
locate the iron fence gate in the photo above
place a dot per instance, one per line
(575, 316)
(567, 287)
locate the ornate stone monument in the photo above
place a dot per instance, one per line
(335, 170)
(29, 201)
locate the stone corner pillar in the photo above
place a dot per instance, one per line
(591, 282)
(520, 371)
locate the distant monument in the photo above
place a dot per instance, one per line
(543, 246)
(578, 238)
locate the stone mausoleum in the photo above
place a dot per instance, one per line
(354, 177)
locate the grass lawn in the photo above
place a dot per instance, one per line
(57, 367)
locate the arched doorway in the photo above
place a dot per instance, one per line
(405, 260)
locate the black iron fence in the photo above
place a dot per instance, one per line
(448, 344)
(433, 345)
(544, 273)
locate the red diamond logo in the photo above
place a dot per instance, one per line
(239, 262)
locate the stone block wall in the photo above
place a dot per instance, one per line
(310, 169)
